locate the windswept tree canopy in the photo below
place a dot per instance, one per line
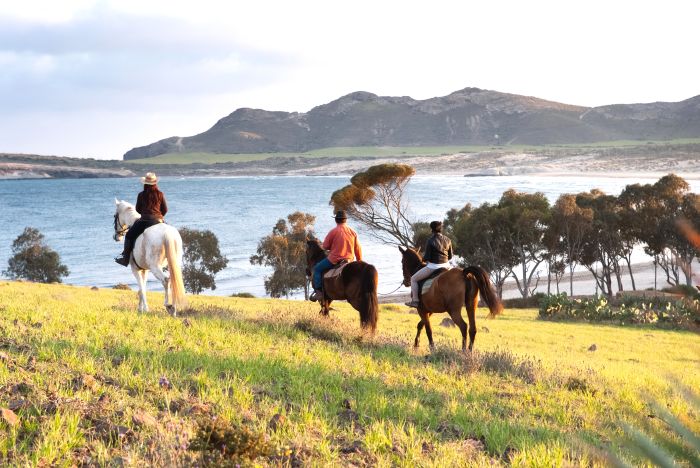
(375, 198)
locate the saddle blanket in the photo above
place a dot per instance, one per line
(335, 271)
(426, 283)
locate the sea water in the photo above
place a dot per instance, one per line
(76, 216)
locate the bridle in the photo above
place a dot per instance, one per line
(119, 228)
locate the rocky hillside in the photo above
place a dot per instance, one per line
(471, 116)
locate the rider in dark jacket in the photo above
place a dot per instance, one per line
(438, 252)
(151, 205)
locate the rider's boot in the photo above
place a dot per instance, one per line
(316, 295)
(413, 303)
(125, 256)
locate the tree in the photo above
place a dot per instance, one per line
(651, 213)
(567, 230)
(606, 242)
(202, 259)
(524, 217)
(285, 251)
(480, 240)
(375, 198)
(33, 260)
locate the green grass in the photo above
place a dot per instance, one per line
(387, 151)
(81, 368)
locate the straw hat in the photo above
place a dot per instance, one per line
(150, 179)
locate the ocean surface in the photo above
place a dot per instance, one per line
(76, 216)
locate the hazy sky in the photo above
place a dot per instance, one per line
(95, 78)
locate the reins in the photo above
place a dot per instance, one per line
(391, 292)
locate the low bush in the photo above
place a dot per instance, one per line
(224, 444)
(687, 291)
(683, 313)
(524, 302)
(245, 295)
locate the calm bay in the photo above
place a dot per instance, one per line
(75, 215)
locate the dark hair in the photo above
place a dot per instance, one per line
(436, 226)
(151, 194)
(341, 220)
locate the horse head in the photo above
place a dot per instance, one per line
(124, 217)
(314, 253)
(411, 262)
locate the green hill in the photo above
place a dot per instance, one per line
(89, 381)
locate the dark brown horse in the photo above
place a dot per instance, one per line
(450, 291)
(357, 283)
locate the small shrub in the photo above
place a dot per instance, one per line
(245, 295)
(224, 444)
(33, 260)
(687, 291)
(530, 302)
(121, 286)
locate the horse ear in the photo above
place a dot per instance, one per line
(402, 249)
(116, 202)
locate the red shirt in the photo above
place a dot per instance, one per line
(342, 244)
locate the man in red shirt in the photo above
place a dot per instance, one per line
(342, 244)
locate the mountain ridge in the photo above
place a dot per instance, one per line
(470, 116)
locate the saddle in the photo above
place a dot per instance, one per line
(424, 285)
(336, 270)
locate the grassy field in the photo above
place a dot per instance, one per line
(92, 382)
(386, 151)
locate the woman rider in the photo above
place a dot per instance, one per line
(438, 252)
(151, 205)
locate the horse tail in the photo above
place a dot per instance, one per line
(173, 252)
(483, 282)
(369, 305)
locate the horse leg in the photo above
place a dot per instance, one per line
(141, 279)
(325, 307)
(471, 316)
(428, 330)
(459, 321)
(420, 329)
(165, 281)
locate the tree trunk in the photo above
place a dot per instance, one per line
(571, 280)
(629, 268)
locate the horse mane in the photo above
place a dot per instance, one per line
(317, 251)
(415, 253)
(127, 206)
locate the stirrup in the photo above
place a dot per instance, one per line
(413, 304)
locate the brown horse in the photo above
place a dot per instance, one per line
(357, 284)
(448, 293)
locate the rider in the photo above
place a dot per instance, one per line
(342, 244)
(438, 252)
(151, 205)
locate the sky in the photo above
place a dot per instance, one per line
(95, 78)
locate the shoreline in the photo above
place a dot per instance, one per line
(590, 162)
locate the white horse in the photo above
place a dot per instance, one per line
(158, 246)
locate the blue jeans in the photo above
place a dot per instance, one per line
(319, 269)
